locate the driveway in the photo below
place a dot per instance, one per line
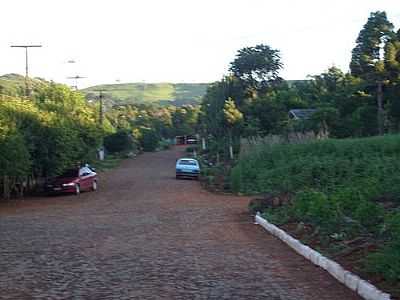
(145, 235)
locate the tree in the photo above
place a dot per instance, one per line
(233, 119)
(149, 139)
(118, 142)
(258, 67)
(392, 65)
(392, 57)
(14, 158)
(368, 57)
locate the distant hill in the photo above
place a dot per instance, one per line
(177, 94)
(14, 84)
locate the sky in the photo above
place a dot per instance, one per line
(115, 41)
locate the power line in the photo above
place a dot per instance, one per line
(27, 88)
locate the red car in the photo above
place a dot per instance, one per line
(73, 181)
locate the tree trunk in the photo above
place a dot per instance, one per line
(203, 143)
(379, 98)
(6, 187)
(230, 146)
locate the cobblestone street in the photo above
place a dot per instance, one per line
(145, 235)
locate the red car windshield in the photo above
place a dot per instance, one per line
(70, 173)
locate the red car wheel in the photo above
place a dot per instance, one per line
(77, 189)
(94, 185)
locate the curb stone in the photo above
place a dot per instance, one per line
(363, 288)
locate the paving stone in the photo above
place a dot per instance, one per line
(145, 235)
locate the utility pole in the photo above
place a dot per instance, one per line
(75, 81)
(101, 119)
(27, 88)
(101, 109)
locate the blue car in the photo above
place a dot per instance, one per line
(187, 167)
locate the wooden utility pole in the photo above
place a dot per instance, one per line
(76, 78)
(101, 151)
(101, 106)
(27, 87)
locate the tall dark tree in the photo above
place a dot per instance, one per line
(392, 57)
(368, 57)
(392, 65)
(258, 67)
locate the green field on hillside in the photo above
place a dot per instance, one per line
(158, 93)
(14, 84)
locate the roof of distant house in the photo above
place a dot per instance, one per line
(301, 114)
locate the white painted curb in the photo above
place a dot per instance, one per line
(352, 281)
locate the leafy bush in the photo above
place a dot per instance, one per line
(164, 144)
(338, 187)
(371, 165)
(14, 156)
(369, 214)
(42, 136)
(386, 262)
(316, 208)
(121, 141)
(149, 139)
(192, 149)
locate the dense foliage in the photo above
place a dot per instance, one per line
(149, 125)
(341, 187)
(344, 188)
(43, 135)
(57, 128)
(364, 102)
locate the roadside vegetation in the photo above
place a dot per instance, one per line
(344, 196)
(330, 176)
(56, 128)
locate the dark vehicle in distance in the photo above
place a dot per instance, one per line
(73, 181)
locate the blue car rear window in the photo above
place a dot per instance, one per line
(187, 163)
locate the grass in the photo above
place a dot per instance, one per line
(110, 162)
(14, 84)
(160, 93)
(177, 94)
(324, 166)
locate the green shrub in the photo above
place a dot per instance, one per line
(369, 214)
(338, 185)
(118, 142)
(277, 216)
(386, 262)
(149, 139)
(316, 208)
(191, 149)
(164, 145)
(372, 165)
